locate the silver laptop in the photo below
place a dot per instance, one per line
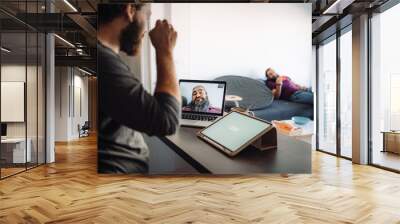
(202, 102)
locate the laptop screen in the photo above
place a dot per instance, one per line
(202, 96)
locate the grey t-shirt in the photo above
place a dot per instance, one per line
(125, 110)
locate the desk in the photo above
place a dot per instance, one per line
(307, 131)
(391, 141)
(291, 156)
(13, 150)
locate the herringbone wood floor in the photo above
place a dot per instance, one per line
(70, 191)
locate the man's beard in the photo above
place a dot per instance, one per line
(200, 106)
(274, 78)
(131, 39)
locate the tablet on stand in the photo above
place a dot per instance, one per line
(235, 131)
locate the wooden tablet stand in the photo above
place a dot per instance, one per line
(267, 141)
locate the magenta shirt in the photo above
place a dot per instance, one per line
(287, 90)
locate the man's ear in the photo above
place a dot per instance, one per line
(130, 12)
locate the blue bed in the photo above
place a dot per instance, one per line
(259, 99)
(284, 110)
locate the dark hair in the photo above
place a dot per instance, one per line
(108, 12)
(266, 71)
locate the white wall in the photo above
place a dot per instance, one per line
(62, 113)
(33, 126)
(80, 84)
(14, 73)
(17, 73)
(70, 83)
(241, 39)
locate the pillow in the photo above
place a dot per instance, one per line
(256, 95)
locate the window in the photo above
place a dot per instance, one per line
(22, 77)
(346, 94)
(385, 87)
(327, 97)
(335, 74)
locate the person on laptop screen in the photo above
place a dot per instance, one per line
(200, 102)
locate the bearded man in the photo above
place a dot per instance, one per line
(284, 88)
(200, 101)
(126, 109)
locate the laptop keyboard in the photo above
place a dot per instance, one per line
(199, 117)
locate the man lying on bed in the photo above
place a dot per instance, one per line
(284, 88)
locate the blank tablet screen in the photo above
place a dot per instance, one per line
(234, 130)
